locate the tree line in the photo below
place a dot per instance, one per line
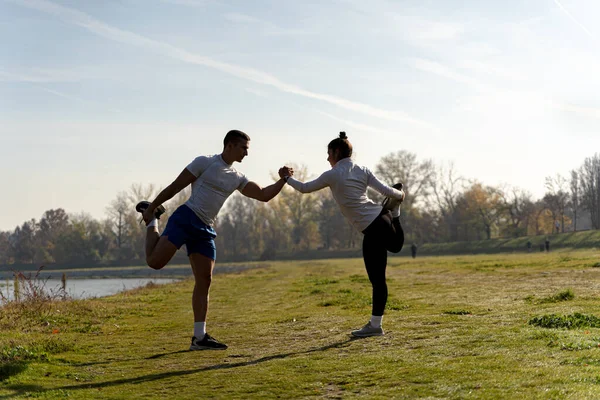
(440, 206)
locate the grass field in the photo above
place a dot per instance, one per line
(500, 326)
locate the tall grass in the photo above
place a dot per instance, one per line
(32, 289)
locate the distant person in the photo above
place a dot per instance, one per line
(380, 224)
(557, 225)
(529, 246)
(547, 243)
(413, 250)
(213, 180)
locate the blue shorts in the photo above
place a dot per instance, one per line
(184, 227)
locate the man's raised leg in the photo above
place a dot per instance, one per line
(159, 250)
(152, 237)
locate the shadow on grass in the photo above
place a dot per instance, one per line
(8, 369)
(165, 354)
(62, 361)
(22, 389)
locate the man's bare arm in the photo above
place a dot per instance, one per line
(254, 191)
(181, 182)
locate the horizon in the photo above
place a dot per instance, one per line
(97, 97)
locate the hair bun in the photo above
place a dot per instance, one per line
(343, 135)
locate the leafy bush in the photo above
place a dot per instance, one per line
(574, 321)
(565, 295)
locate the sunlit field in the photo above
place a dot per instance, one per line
(501, 326)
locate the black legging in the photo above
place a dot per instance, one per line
(382, 235)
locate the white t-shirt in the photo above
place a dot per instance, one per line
(216, 181)
(348, 183)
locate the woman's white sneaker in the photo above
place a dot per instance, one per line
(391, 203)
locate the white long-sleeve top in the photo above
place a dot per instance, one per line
(348, 183)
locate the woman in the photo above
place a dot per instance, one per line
(380, 224)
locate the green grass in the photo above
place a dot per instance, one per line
(456, 327)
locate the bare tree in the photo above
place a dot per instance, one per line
(403, 166)
(6, 253)
(484, 206)
(446, 187)
(52, 225)
(589, 179)
(241, 224)
(556, 198)
(519, 209)
(334, 229)
(24, 241)
(138, 192)
(303, 212)
(78, 243)
(575, 196)
(117, 212)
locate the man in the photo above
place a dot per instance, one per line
(213, 180)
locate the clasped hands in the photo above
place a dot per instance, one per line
(286, 171)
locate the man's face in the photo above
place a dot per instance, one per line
(240, 149)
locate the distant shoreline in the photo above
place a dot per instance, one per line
(175, 271)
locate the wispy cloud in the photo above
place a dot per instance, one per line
(490, 95)
(422, 29)
(188, 3)
(446, 72)
(356, 125)
(493, 69)
(585, 111)
(242, 18)
(586, 30)
(407, 24)
(256, 92)
(38, 75)
(498, 98)
(60, 94)
(267, 28)
(75, 98)
(48, 76)
(97, 27)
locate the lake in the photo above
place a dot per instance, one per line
(86, 288)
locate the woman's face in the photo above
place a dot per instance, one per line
(332, 157)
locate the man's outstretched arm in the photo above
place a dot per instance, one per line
(254, 191)
(181, 182)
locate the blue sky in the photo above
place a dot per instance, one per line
(97, 95)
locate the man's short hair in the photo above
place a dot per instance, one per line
(235, 136)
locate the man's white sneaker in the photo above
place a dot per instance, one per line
(143, 205)
(368, 330)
